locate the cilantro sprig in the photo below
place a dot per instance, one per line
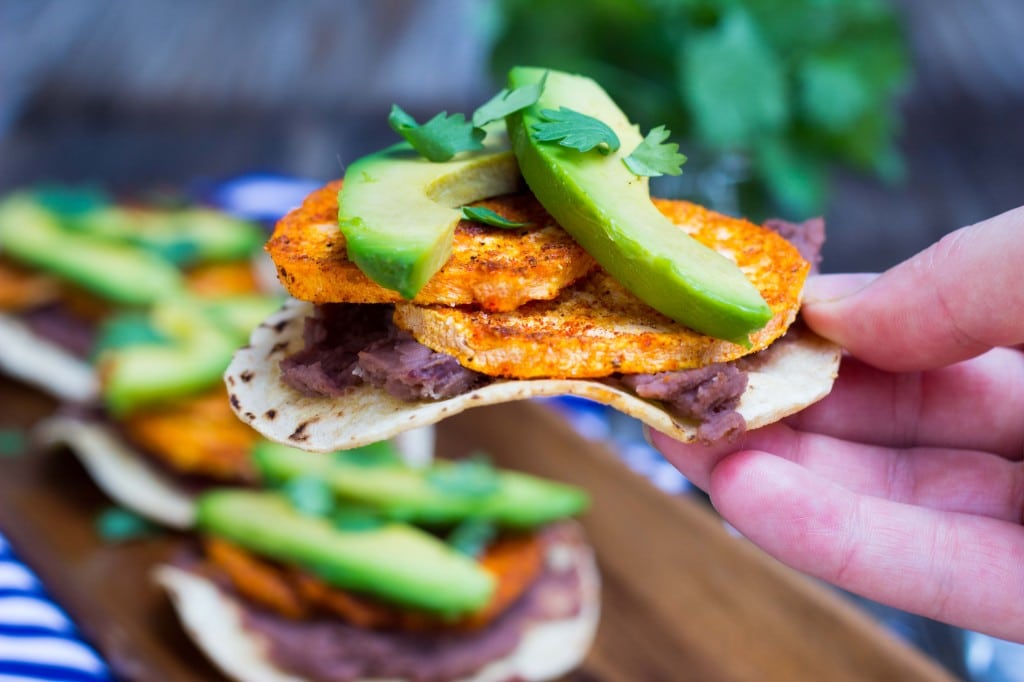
(127, 329)
(508, 102)
(654, 157)
(310, 495)
(575, 130)
(444, 135)
(115, 524)
(354, 518)
(440, 138)
(13, 442)
(472, 536)
(471, 477)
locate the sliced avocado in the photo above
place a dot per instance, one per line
(608, 210)
(398, 211)
(118, 272)
(126, 328)
(420, 495)
(193, 359)
(394, 562)
(183, 236)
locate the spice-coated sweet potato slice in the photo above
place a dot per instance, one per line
(596, 327)
(493, 268)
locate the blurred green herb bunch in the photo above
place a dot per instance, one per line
(766, 97)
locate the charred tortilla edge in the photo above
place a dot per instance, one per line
(127, 478)
(28, 357)
(120, 472)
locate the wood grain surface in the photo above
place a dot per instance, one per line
(683, 599)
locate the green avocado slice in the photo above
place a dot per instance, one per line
(398, 211)
(425, 496)
(394, 562)
(608, 210)
(115, 271)
(185, 236)
(196, 350)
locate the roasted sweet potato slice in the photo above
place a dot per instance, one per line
(596, 327)
(255, 579)
(514, 561)
(493, 268)
(197, 436)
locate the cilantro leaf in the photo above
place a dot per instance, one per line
(127, 329)
(440, 138)
(70, 202)
(309, 495)
(489, 217)
(508, 102)
(575, 130)
(795, 178)
(472, 477)
(654, 156)
(180, 250)
(833, 93)
(356, 518)
(115, 524)
(472, 536)
(13, 442)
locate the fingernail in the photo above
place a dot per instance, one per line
(648, 435)
(831, 288)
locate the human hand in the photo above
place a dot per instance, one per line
(906, 484)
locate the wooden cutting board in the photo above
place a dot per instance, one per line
(682, 598)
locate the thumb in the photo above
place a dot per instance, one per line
(822, 289)
(954, 300)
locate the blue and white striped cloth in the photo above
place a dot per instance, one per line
(37, 639)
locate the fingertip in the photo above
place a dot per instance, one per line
(652, 437)
(827, 305)
(736, 485)
(952, 301)
(733, 469)
(746, 481)
(673, 450)
(826, 302)
(821, 289)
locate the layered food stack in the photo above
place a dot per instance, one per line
(129, 313)
(519, 254)
(356, 566)
(433, 279)
(446, 570)
(512, 255)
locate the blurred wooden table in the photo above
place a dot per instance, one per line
(682, 598)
